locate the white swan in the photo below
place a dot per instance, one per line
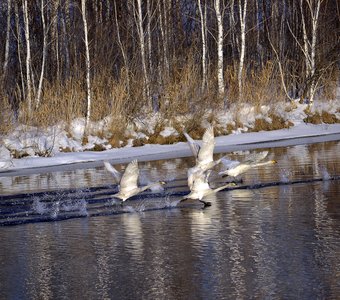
(128, 182)
(200, 187)
(235, 168)
(203, 154)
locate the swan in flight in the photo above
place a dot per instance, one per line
(128, 181)
(200, 187)
(235, 168)
(204, 153)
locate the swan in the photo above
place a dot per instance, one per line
(128, 181)
(236, 168)
(200, 187)
(204, 153)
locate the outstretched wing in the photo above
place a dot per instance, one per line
(256, 157)
(116, 174)
(194, 146)
(228, 163)
(205, 154)
(129, 179)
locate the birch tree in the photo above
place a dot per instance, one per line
(220, 79)
(203, 19)
(309, 43)
(28, 58)
(38, 99)
(242, 14)
(87, 55)
(8, 28)
(142, 50)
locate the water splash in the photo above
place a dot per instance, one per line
(324, 173)
(284, 175)
(39, 207)
(78, 205)
(55, 208)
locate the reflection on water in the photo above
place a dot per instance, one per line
(276, 242)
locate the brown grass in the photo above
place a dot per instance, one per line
(277, 123)
(317, 118)
(5, 116)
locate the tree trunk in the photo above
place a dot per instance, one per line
(243, 13)
(28, 59)
(203, 16)
(38, 99)
(220, 79)
(142, 50)
(88, 81)
(8, 28)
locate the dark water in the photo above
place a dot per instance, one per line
(277, 236)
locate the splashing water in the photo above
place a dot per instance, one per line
(55, 210)
(324, 173)
(39, 207)
(284, 175)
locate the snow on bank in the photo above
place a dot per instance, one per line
(152, 152)
(63, 144)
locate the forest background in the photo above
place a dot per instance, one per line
(65, 59)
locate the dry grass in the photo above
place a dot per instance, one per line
(5, 116)
(317, 118)
(179, 95)
(277, 123)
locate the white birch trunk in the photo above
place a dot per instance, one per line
(38, 99)
(243, 13)
(204, 43)
(8, 28)
(220, 78)
(142, 49)
(313, 48)
(28, 58)
(88, 80)
(148, 28)
(309, 44)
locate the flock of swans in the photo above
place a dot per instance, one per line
(198, 175)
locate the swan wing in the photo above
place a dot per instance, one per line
(116, 174)
(256, 157)
(129, 179)
(205, 154)
(228, 163)
(194, 146)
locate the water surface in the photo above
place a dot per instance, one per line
(275, 237)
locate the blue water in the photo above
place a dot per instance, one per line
(276, 237)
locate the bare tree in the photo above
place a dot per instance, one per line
(220, 77)
(122, 49)
(8, 28)
(38, 99)
(88, 66)
(203, 19)
(28, 58)
(309, 43)
(142, 50)
(243, 13)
